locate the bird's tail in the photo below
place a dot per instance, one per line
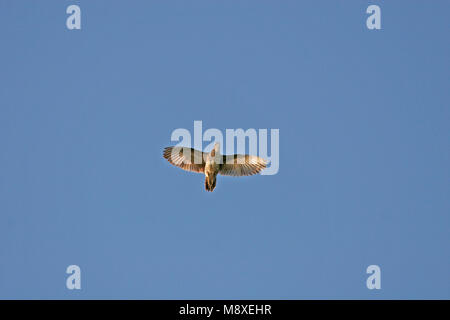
(210, 183)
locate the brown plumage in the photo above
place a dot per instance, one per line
(214, 163)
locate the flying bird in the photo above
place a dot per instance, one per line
(214, 163)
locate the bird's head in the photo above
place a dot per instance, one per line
(216, 150)
(217, 147)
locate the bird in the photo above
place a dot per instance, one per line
(213, 163)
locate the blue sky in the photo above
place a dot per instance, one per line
(364, 149)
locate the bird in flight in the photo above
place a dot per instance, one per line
(214, 163)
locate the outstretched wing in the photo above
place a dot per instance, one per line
(242, 165)
(186, 158)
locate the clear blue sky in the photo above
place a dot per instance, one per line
(364, 149)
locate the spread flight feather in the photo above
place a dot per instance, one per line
(213, 163)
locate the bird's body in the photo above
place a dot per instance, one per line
(212, 168)
(213, 163)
